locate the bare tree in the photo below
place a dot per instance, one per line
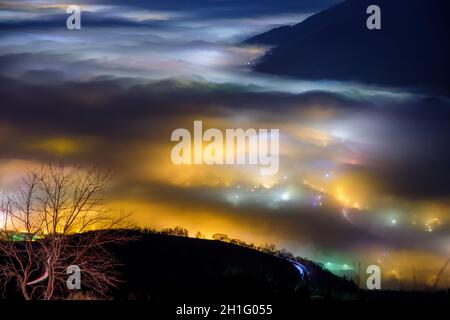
(56, 219)
(439, 274)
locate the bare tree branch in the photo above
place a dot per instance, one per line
(40, 235)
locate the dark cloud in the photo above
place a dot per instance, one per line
(89, 19)
(78, 107)
(186, 11)
(229, 8)
(415, 161)
(412, 164)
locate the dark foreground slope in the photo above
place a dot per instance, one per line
(411, 49)
(162, 267)
(172, 270)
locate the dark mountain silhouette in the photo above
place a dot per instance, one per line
(411, 49)
(165, 267)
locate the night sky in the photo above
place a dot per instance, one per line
(364, 170)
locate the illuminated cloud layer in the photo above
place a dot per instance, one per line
(363, 173)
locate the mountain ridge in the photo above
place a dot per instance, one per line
(410, 50)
